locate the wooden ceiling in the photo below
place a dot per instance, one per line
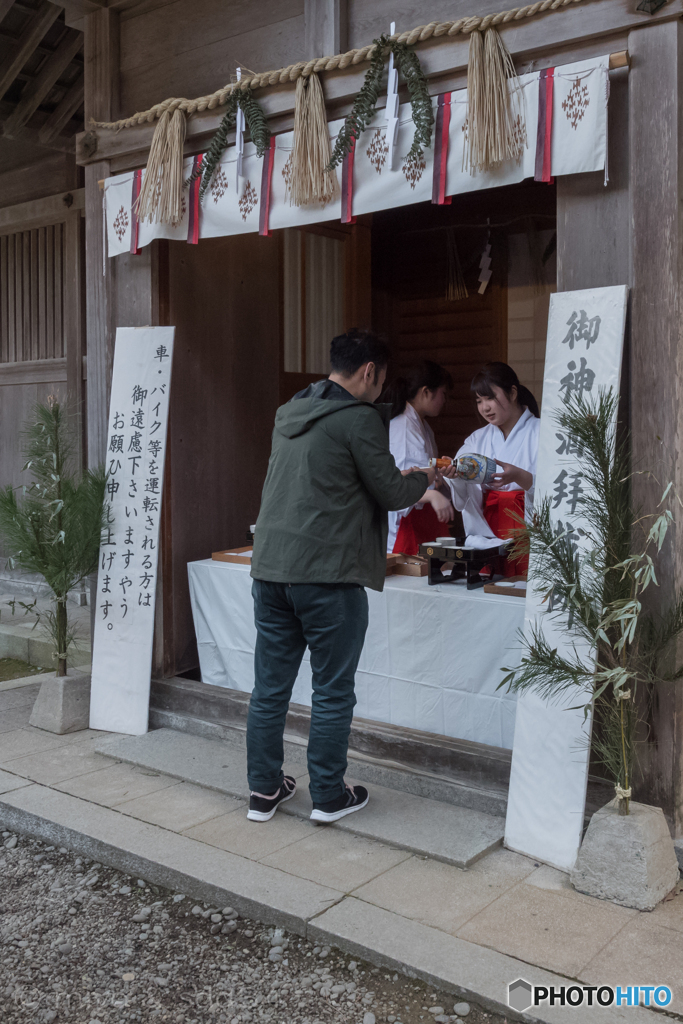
(41, 79)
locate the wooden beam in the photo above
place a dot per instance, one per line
(37, 371)
(574, 34)
(62, 113)
(38, 212)
(35, 92)
(4, 7)
(45, 16)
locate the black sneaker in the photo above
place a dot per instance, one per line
(351, 800)
(262, 808)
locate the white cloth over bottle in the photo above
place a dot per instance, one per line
(519, 448)
(412, 443)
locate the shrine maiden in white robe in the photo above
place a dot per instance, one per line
(412, 443)
(519, 448)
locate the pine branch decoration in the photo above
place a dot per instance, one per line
(421, 102)
(364, 106)
(258, 127)
(256, 121)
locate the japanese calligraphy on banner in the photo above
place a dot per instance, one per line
(127, 572)
(551, 748)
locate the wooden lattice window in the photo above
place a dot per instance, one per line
(32, 294)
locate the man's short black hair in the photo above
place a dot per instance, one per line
(350, 351)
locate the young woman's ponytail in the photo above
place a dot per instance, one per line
(525, 397)
(396, 395)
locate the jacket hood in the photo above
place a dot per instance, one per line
(295, 418)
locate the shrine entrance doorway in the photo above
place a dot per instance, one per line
(421, 252)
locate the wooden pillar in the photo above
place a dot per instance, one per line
(325, 29)
(656, 135)
(74, 323)
(593, 247)
(101, 58)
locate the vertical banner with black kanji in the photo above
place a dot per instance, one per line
(127, 572)
(551, 749)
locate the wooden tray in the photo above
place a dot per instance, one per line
(501, 588)
(241, 555)
(406, 565)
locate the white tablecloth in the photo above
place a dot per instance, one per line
(431, 661)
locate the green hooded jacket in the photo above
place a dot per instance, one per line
(331, 481)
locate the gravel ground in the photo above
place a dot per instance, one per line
(84, 943)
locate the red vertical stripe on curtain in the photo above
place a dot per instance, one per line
(347, 186)
(266, 182)
(134, 219)
(441, 136)
(544, 132)
(193, 199)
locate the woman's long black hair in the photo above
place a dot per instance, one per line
(502, 376)
(425, 375)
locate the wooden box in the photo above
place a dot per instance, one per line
(241, 555)
(501, 587)
(406, 565)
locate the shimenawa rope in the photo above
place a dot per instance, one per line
(463, 26)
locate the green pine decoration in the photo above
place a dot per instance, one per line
(258, 128)
(55, 529)
(408, 64)
(633, 640)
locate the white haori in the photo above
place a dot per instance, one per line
(579, 137)
(412, 443)
(519, 448)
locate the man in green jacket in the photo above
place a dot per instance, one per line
(320, 539)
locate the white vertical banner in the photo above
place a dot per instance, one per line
(550, 756)
(127, 571)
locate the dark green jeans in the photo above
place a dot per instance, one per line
(331, 620)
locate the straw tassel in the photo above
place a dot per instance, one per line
(311, 181)
(457, 289)
(495, 127)
(161, 194)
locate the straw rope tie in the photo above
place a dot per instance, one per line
(463, 26)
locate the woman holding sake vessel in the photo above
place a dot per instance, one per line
(414, 399)
(510, 437)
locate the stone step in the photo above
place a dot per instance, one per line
(490, 799)
(455, 835)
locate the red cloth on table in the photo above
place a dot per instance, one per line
(497, 508)
(419, 527)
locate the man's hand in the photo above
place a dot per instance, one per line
(431, 473)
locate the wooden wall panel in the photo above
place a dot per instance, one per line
(223, 298)
(17, 403)
(51, 173)
(191, 47)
